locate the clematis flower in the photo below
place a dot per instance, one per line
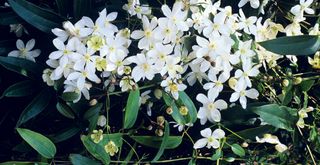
(210, 139)
(247, 71)
(242, 93)
(145, 67)
(215, 86)
(210, 109)
(298, 10)
(177, 16)
(25, 51)
(247, 24)
(173, 87)
(146, 35)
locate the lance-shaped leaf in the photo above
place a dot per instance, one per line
(132, 108)
(192, 111)
(293, 45)
(20, 89)
(40, 143)
(155, 141)
(77, 159)
(164, 142)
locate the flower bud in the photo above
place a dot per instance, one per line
(157, 93)
(160, 120)
(93, 102)
(169, 110)
(244, 144)
(285, 82)
(232, 82)
(159, 132)
(102, 121)
(297, 80)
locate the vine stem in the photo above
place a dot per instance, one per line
(308, 148)
(232, 132)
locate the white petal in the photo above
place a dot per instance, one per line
(14, 53)
(58, 44)
(215, 115)
(202, 98)
(243, 102)
(252, 93)
(200, 143)
(214, 144)
(242, 3)
(234, 97)
(137, 34)
(221, 104)
(20, 44)
(166, 10)
(206, 132)
(30, 44)
(218, 133)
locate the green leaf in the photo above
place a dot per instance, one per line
(155, 141)
(175, 111)
(218, 154)
(92, 116)
(192, 110)
(275, 116)
(20, 89)
(23, 163)
(293, 45)
(95, 150)
(34, 16)
(132, 108)
(230, 159)
(306, 85)
(65, 110)
(251, 133)
(22, 66)
(164, 142)
(40, 143)
(238, 150)
(63, 6)
(36, 106)
(81, 8)
(65, 134)
(70, 96)
(77, 159)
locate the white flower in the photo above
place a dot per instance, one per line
(80, 29)
(166, 31)
(253, 3)
(80, 76)
(71, 86)
(173, 87)
(116, 61)
(298, 10)
(245, 50)
(272, 139)
(210, 109)
(160, 52)
(113, 45)
(146, 35)
(210, 138)
(294, 28)
(25, 51)
(102, 121)
(212, 47)
(134, 8)
(176, 15)
(126, 83)
(247, 72)
(195, 75)
(46, 77)
(145, 67)
(103, 23)
(65, 52)
(216, 84)
(172, 67)
(242, 93)
(180, 126)
(247, 24)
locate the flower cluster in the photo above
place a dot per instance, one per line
(224, 56)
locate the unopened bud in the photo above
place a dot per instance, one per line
(159, 132)
(93, 102)
(102, 121)
(157, 93)
(285, 82)
(297, 80)
(232, 82)
(169, 110)
(244, 144)
(160, 120)
(149, 127)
